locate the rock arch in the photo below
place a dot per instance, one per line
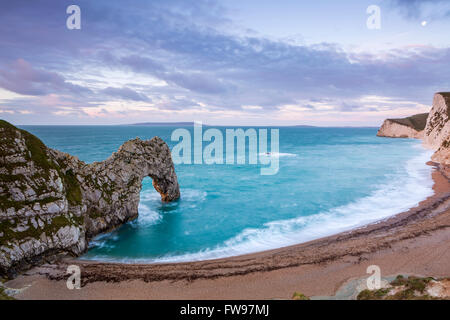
(51, 202)
(120, 178)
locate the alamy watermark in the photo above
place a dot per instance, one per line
(373, 22)
(74, 280)
(373, 282)
(74, 20)
(235, 140)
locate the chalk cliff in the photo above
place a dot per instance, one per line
(52, 203)
(411, 127)
(437, 130)
(432, 127)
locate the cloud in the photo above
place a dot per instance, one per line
(197, 82)
(420, 9)
(157, 51)
(125, 93)
(141, 64)
(22, 78)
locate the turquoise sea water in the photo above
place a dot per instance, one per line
(330, 180)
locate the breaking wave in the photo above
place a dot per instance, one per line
(403, 192)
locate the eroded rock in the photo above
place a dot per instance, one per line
(411, 127)
(433, 128)
(437, 130)
(53, 203)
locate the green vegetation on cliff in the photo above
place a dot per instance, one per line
(8, 226)
(73, 190)
(409, 288)
(299, 296)
(52, 203)
(4, 296)
(37, 149)
(38, 154)
(417, 122)
(27, 164)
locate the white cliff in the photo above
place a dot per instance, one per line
(437, 130)
(411, 127)
(432, 127)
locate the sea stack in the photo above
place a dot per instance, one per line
(52, 203)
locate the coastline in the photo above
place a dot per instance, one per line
(411, 242)
(403, 188)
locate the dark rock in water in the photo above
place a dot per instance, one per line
(52, 203)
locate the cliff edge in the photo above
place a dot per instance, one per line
(432, 127)
(52, 203)
(437, 130)
(410, 127)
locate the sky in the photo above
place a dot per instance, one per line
(230, 62)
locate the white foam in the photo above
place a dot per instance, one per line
(147, 216)
(402, 192)
(277, 154)
(193, 195)
(150, 195)
(101, 241)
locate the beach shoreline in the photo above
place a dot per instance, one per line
(411, 242)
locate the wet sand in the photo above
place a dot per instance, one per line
(413, 242)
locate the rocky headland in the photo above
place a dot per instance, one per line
(414, 242)
(410, 127)
(433, 128)
(52, 203)
(437, 130)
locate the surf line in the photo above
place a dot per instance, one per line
(213, 153)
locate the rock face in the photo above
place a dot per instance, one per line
(433, 128)
(411, 127)
(53, 203)
(437, 130)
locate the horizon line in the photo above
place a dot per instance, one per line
(173, 124)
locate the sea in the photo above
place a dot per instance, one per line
(329, 180)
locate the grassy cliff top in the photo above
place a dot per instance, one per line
(6, 125)
(43, 163)
(36, 147)
(417, 121)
